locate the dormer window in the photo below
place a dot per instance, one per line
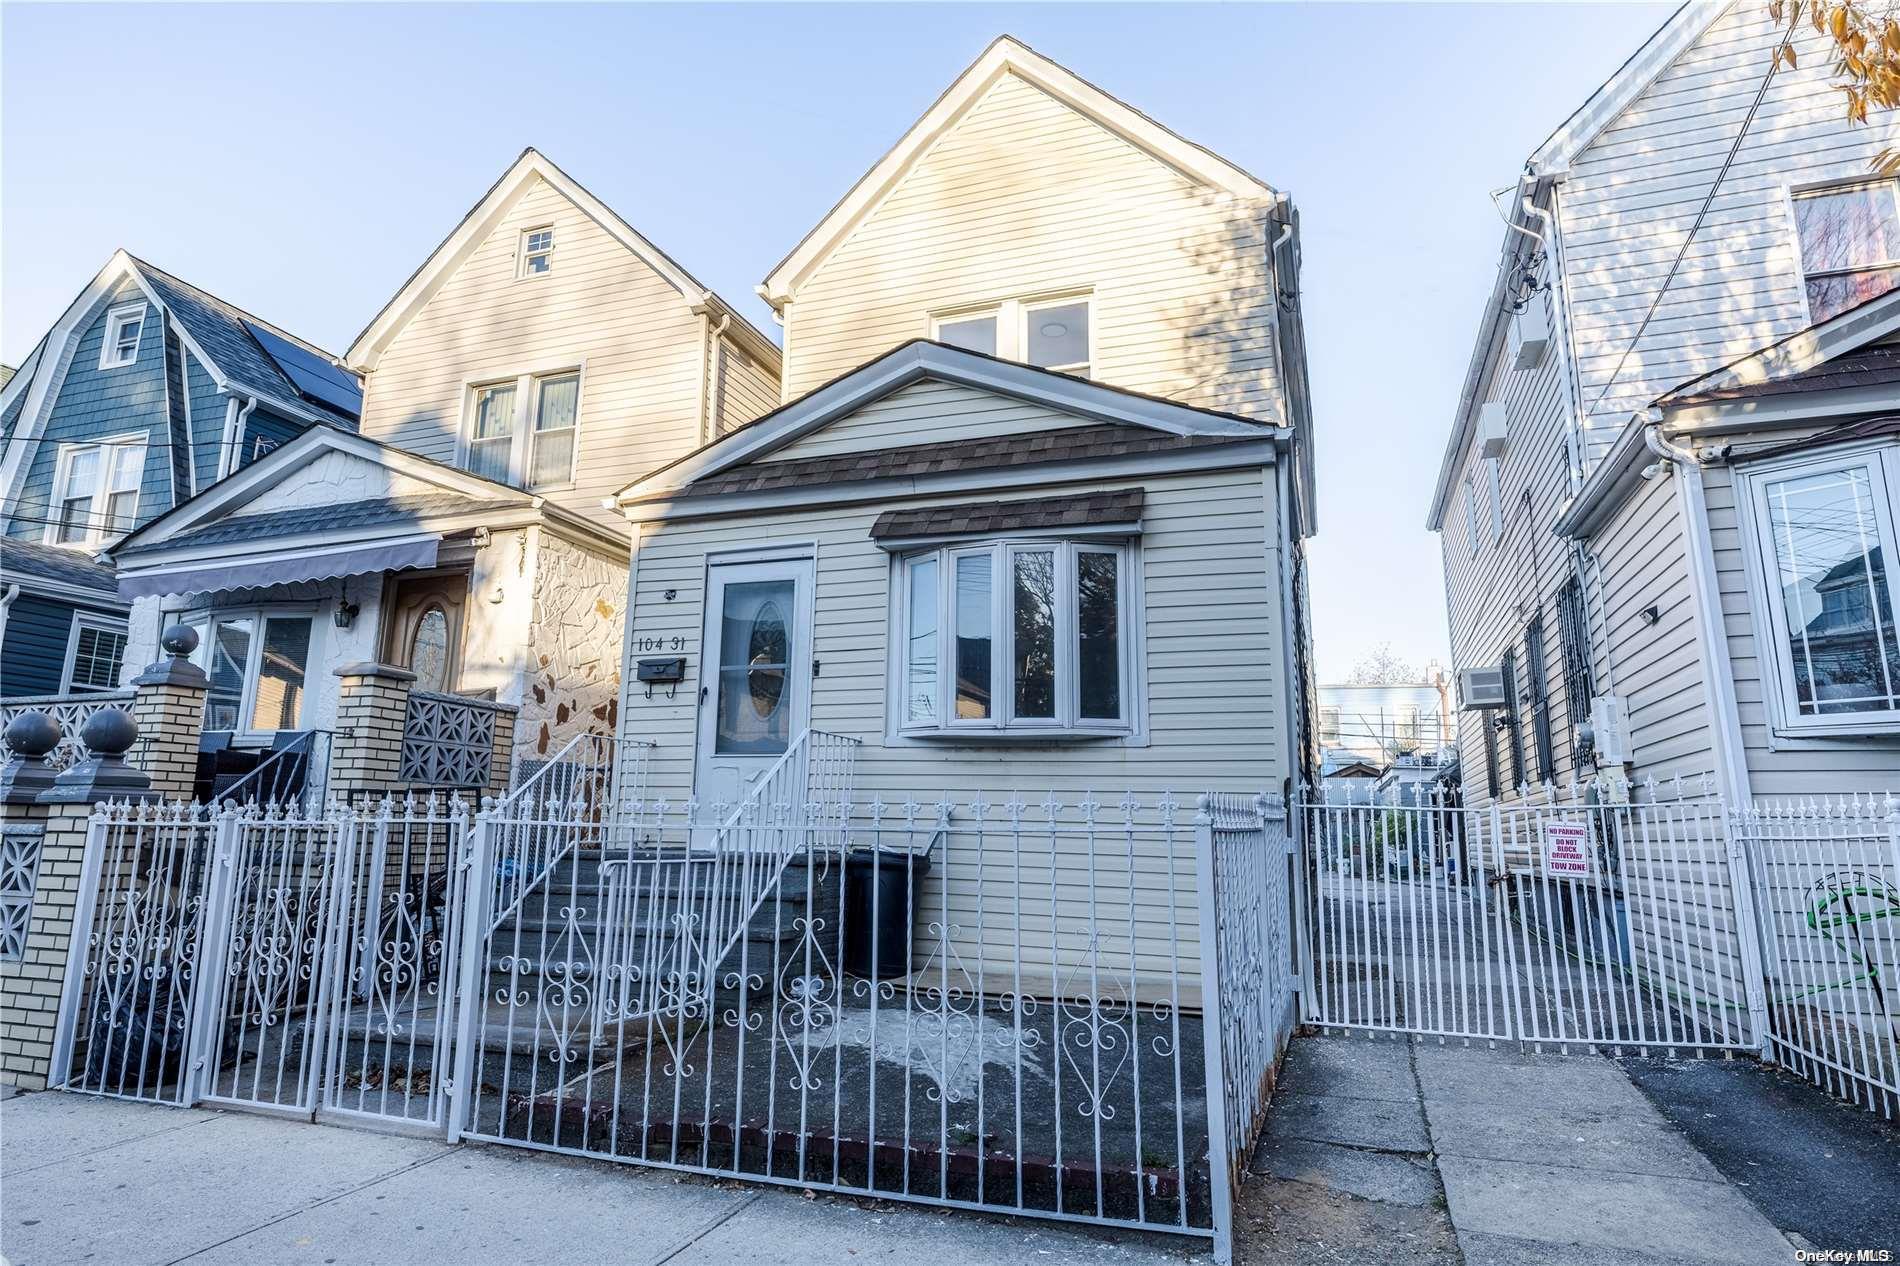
(537, 252)
(1047, 333)
(121, 343)
(1850, 245)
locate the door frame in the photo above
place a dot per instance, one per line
(801, 558)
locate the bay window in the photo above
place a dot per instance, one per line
(1824, 534)
(1027, 637)
(524, 431)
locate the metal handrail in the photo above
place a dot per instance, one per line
(278, 769)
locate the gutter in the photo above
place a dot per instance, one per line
(1726, 733)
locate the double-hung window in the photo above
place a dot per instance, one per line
(124, 326)
(536, 257)
(1849, 243)
(1048, 333)
(1029, 637)
(93, 655)
(96, 491)
(258, 661)
(1825, 540)
(525, 430)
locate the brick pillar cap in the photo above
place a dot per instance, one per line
(174, 672)
(369, 668)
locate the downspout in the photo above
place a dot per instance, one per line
(231, 444)
(1730, 759)
(716, 355)
(6, 602)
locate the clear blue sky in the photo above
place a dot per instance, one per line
(300, 161)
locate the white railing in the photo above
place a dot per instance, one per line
(1548, 920)
(70, 712)
(1827, 886)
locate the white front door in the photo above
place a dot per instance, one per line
(754, 673)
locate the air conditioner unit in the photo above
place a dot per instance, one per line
(1494, 420)
(1481, 688)
(1533, 335)
(1610, 730)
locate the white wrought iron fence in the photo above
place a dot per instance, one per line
(1827, 885)
(1557, 919)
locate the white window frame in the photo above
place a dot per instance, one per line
(203, 620)
(104, 623)
(1772, 633)
(1795, 193)
(1002, 724)
(116, 320)
(523, 255)
(1012, 325)
(527, 387)
(97, 533)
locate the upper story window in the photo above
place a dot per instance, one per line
(1850, 245)
(1027, 637)
(524, 431)
(1048, 333)
(537, 252)
(94, 655)
(96, 491)
(1824, 527)
(121, 343)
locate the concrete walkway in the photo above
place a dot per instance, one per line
(1384, 1150)
(127, 1184)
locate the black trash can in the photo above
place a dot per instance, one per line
(880, 893)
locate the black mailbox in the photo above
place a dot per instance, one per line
(660, 672)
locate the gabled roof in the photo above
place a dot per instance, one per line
(1683, 28)
(922, 359)
(481, 220)
(1006, 55)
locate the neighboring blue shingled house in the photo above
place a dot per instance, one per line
(145, 392)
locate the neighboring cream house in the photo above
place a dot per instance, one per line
(542, 357)
(1608, 540)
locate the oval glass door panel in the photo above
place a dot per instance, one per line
(429, 651)
(755, 655)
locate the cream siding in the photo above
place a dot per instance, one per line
(1632, 194)
(928, 413)
(1023, 197)
(601, 309)
(746, 388)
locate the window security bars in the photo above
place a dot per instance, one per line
(1573, 632)
(1534, 652)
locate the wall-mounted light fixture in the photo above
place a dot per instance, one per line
(345, 613)
(1651, 615)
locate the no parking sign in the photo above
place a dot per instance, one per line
(1567, 848)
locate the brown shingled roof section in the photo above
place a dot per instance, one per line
(994, 452)
(1864, 367)
(1123, 506)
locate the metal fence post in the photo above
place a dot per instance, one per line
(1220, 1165)
(84, 910)
(207, 991)
(477, 863)
(1747, 931)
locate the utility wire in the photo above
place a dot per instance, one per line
(1761, 92)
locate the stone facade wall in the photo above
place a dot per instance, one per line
(574, 647)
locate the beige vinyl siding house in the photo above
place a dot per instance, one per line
(1601, 217)
(657, 377)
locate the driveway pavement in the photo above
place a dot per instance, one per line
(128, 1184)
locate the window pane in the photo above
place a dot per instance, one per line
(280, 673)
(1832, 295)
(122, 510)
(1059, 336)
(754, 710)
(75, 519)
(975, 607)
(977, 334)
(920, 644)
(553, 458)
(1847, 228)
(494, 412)
(429, 650)
(1035, 634)
(1099, 663)
(96, 658)
(82, 473)
(128, 467)
(230, 657)
(556, 403)
(1833, 583)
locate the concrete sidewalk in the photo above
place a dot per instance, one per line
(109, 1182)
(1420, 1152)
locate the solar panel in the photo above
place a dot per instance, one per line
(314, 376)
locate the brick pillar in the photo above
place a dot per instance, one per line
(169, 710)
(45, 821)
(372, 705)
(502, 763)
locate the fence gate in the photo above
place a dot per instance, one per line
(1559, 921)
(288, 962)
